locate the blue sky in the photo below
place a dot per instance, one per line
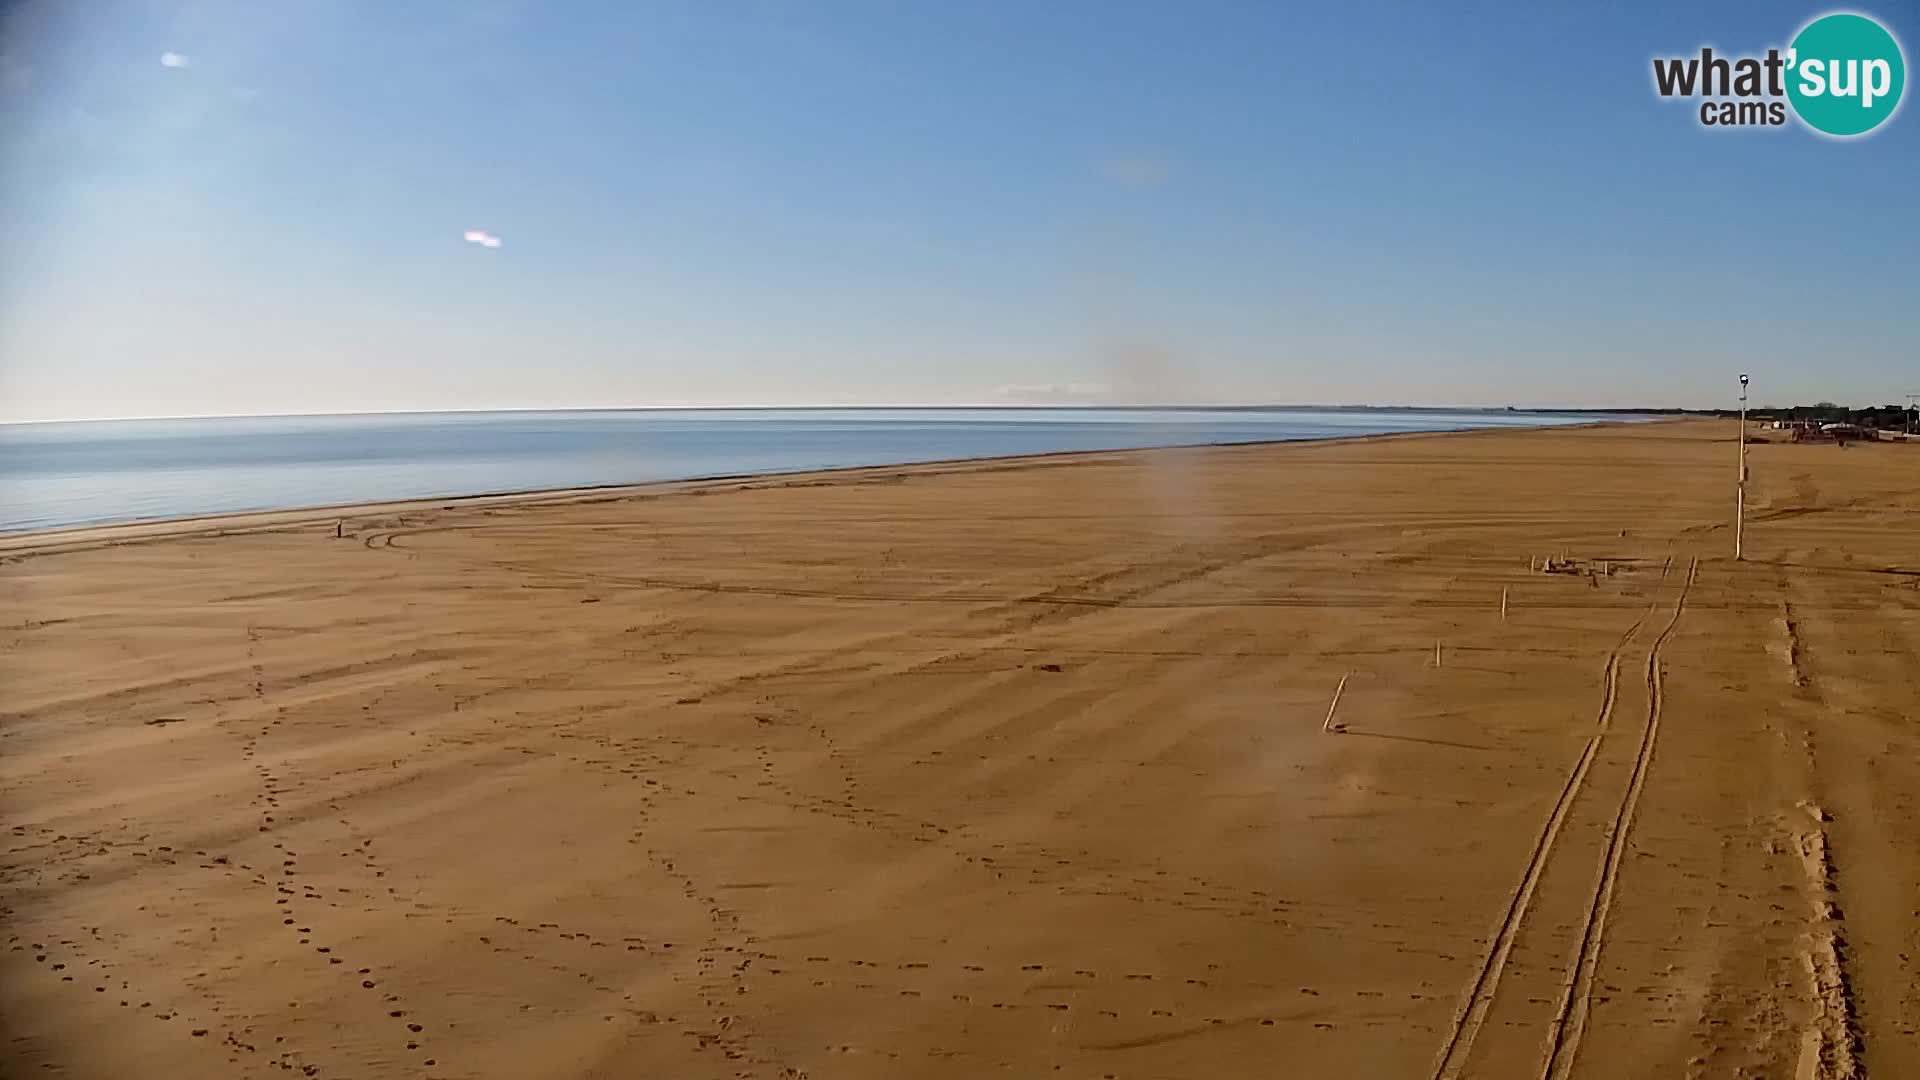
(905, 202)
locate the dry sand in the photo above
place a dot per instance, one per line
(1010, 768)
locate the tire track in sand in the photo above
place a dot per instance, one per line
(1576, 997)
(1473, 1012)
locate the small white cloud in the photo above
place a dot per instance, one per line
(174, 60)
(483, 238)
(1053, 391)
(1136, 172)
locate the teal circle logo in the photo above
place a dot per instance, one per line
(1845, 73)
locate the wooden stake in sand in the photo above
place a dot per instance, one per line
(1503, 605)
(1328, 725)
(1436, 653)
(337, 526)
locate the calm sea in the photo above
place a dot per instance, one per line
(88, 472)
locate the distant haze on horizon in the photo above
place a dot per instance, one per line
(218, 208)
(1101, 409)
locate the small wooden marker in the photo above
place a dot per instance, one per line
(336, 529)
(1328, 725)
(1503, 604)
(1436, 652)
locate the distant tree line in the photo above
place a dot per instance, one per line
(1884, 417)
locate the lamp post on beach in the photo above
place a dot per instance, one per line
(1740, 488)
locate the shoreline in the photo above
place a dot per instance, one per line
(25, 542)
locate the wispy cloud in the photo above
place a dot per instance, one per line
(1073, 391)
(1136, 171)
(482, 237)
(174, 60)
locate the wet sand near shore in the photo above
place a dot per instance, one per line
(999, 768)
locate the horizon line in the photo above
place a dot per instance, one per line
(872, 407)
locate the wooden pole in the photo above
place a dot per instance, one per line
(1436, 653)
(1503, 604)
(1328, 725)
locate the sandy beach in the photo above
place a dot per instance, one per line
(1010, 768)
